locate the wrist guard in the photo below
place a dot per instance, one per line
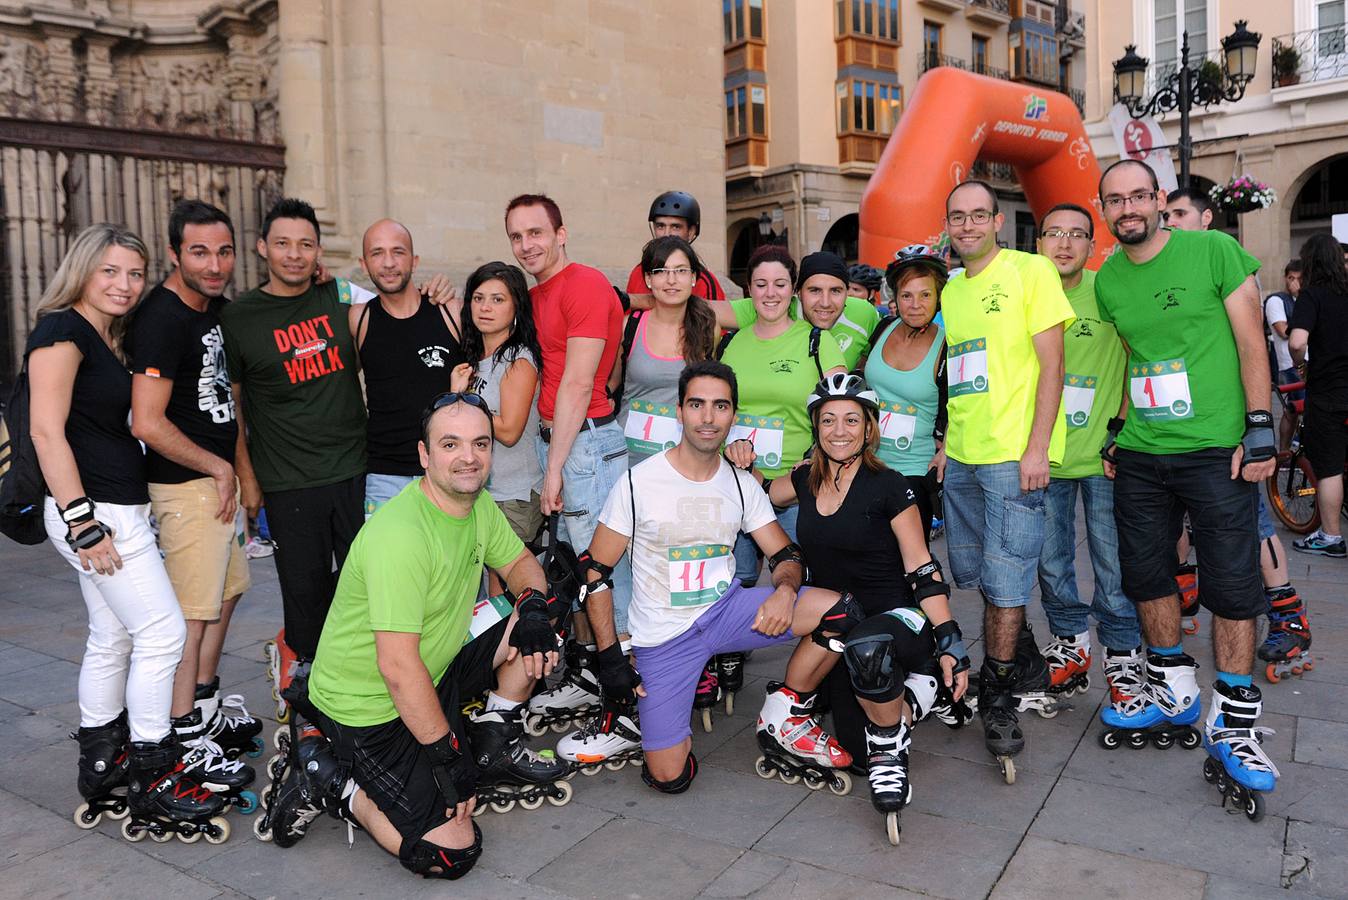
(949, 642)
(77, 512)
(617, 678)
(1111, 432)
(533, 632)
(454, 771)
(1259, 441)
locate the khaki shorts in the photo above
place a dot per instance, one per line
(525, 516)
(204, 558)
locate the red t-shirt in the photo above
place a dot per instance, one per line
(707, 287)
(576, 302)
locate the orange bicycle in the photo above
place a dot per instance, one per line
(1291, 487)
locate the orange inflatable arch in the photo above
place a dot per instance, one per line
(955, 118)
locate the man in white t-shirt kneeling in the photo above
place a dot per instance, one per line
(680, 510)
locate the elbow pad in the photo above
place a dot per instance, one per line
(790, 553)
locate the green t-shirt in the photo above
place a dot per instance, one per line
(1184, 388)
(775, 377)
(1093, 364)
(302, 401)
(412, 568)
(852, 331)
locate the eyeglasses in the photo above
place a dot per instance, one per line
(1076, 234)
(978, 217)
(682, 273)
(1136, 199)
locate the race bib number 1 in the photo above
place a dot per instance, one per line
(898, 424)
(651, 427)
(766, 433)
(1160, 390)
(1078, 396)
(967, 367)
(699, 574)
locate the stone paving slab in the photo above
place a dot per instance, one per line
(1051, 868)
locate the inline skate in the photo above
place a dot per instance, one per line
(103, 772)
(730, 673)
(1286, 649)
(509, 772)
(230, 724)
(1033, 688)
(610, 740)
(795, 746)
(1069, 664)
(1236, 761)
(887, 763)
(1163, 712)
(209, 766)
(708, 693)
(314, 784)
(165, 800)
(998, 707)
(281, 666)
(574, 699)
(1186, 579)
(1125, 676)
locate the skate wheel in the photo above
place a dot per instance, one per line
(788, 777)
(282, 712)
(248, 802)
(531, 803)
(841, 783)
(274, 695)
(276, 767)
(191, 838)
(1008, 770)
(1137, 740)
(1162, 741)
(1254, 806)
(1191, 626)
(133, 832)
(256, 749)
(591, 769)
(533, 725)
(1209, 771)
(218, 833)
(118, 814)
(706, 720)
(1048, 712)
(1191, 739)
(560, 727)
(615, 765)
(762, 769)
(1271, 673)
(161, 837)
(563, 794)
(1109, 740)
(729, 704)
(84, 818)
(262, 830)
(892, 827)
(280, 739)
(502, 806)
(813, 781)
(479, 809)
(265, 797)
(1308, 664)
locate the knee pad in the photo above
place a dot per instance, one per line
(835, 624)
(676, 785)
(870, 665)
(433, 861)
(919, 689)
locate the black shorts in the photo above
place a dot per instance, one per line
(1152, 493)
(1325, 437)
(389, 764)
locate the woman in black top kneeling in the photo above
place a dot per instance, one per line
(861, 530)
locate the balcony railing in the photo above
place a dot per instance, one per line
(997, 6)
(995, 172)
(1078, 97)
(1315, 55)
(931, 60)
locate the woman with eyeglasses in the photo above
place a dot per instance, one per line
(906, 368)
(680, 329)
(505, 368)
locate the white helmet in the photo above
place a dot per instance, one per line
(842, 386)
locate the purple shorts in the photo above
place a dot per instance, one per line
(670, 672)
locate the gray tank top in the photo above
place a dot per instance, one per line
(650, 396)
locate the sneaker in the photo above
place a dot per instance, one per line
(259, 548)
(1320, 544)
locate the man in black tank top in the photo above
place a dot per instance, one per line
(408, 346)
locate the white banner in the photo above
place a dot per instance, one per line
(1138, 138)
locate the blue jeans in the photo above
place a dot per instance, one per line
(380, 489)
(994, 533)
(748, 561)
(598, 459)
(1115, 615)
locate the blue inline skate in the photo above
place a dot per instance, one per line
(1163, 712)
(1236, 760)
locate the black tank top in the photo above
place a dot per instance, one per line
(407, 363)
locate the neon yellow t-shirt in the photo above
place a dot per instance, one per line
(991, 365)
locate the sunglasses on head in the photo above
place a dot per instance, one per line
(449, 398)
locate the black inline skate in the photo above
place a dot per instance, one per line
(103, 772)
(206, 763)
(573, 699)
(795, 746)
(1034, 688)
(887, 761)
(730, 674)
(228, 721)
(315, 784)
(165, 800)
(997, 706)
(509, 772)
(708, 693)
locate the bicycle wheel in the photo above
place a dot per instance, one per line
(1291, 493)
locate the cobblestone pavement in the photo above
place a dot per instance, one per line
(1080, 821)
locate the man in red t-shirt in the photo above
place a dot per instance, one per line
(676, 213)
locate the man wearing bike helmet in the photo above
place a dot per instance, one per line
(865, 281)
(674, 213)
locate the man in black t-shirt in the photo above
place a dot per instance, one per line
(183, 410)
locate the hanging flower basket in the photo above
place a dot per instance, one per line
(1242, 194)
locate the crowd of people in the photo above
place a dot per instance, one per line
(706, 478)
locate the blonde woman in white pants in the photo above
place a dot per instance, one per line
(97, 516)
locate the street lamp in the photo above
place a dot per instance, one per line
(764, 226)
(1187, 85)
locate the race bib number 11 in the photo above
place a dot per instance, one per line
(699, 574)
(1160, 390)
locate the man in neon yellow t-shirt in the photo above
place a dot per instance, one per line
(1004, 320)
(1093, 406)
(405, 644)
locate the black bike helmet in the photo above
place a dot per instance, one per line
(842, 386)
(677, 203)
(868, 277)
(914, 255)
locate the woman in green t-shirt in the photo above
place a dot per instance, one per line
(777, 361)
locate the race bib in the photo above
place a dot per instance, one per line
(1160, 390)
(651, 427)
(487, 613)
(898, 423)
(1078, 396)
(241, 526)
(699, 574)
(767, 435)
(913, 618)
(967, 367)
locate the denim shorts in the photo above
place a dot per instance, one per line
(994, 532)
(380, 489)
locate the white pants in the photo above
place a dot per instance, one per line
(136, 628)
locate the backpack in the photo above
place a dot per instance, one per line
(815, 332)
(22, 487)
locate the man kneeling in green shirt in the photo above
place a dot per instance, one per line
(404, 645)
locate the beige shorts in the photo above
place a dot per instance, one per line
(204, 557)
(525, 516)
